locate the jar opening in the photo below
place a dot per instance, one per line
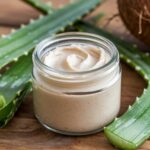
(69, 38)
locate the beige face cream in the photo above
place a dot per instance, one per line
(76, 83)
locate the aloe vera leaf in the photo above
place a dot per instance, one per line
(14, 86)
(24, 40)
(137, 116)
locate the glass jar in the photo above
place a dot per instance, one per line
(76, 103)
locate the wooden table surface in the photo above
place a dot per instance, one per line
(24, 132)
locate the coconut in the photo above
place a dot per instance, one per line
(136, 16)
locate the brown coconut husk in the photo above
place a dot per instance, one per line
(136, 16)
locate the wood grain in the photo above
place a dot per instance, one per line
(24, 132)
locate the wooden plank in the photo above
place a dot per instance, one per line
(24, 132)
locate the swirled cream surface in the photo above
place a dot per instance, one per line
(76, 58)
(81, 104)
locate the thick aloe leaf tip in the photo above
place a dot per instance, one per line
(118, 141)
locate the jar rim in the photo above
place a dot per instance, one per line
(76, 35)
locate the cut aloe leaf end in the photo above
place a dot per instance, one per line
(118, 141)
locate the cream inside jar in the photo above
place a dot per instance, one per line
(76, 58)
(76, 83)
